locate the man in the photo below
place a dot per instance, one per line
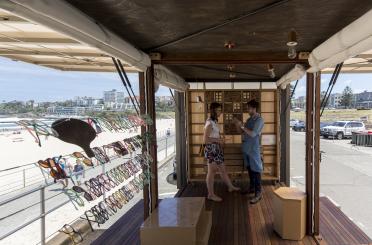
(251, 131)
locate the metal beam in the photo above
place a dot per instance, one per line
(221, 80)
(236, 57)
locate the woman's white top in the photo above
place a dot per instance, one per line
(215, 133)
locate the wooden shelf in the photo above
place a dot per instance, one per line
(234, 103)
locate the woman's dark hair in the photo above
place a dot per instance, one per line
(213, 109)
(253, 104)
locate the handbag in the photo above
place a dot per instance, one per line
(201, 150)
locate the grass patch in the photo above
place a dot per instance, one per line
(336, 115)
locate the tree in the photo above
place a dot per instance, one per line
(346, 97)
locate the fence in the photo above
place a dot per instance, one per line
(16, 211)
(28, 175)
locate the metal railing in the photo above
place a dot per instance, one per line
(163, 145)
(42, 201)
(30, 174)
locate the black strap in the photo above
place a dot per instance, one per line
(124, 83)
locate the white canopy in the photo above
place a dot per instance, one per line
(352, 40)
(295, 74)
(169, 79)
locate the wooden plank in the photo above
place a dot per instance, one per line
(267, 96)
(194, 96)
(153, 151)
(142, 92)
(197, 107)
(268, 117)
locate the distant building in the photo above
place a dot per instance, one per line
(113, 99)
(334, 100)
(299, 102)
(68, 110)
(113, 96)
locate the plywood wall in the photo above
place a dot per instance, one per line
(234, 105)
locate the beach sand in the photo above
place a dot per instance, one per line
(21, 149)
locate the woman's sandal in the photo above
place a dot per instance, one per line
(215, 198)
(234, 188)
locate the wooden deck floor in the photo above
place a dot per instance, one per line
(236, 222)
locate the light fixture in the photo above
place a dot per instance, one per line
(229, 45)
(271, 71)
(230, 67)
(292, 43)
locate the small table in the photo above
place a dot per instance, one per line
(289, 205)
(180, 221)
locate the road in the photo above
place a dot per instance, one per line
(345, 176)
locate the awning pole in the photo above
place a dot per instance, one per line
(125, 85)
(127, 79)
(330, 87)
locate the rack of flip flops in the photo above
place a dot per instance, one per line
(107, 192)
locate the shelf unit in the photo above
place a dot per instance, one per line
(234, 104)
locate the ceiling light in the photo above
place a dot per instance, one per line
(232, 75)
(271, 71)
(229, 45)
(292, 43)
(230, 67)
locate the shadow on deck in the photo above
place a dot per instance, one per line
(235, 221)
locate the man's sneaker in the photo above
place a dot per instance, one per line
(256, 199)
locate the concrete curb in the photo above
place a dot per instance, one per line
(61, 238)
(166, 160)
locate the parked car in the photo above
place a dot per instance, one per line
(342, 129)
(323, 125)
(300, 126)
(293, 122)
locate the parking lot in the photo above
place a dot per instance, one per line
(345, 176)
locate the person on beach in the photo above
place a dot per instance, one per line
(213, 152)
(78, 171)
(251, 148)
(62, 164)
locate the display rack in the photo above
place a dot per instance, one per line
(234, 104)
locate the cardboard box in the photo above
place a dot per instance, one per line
(289, 205)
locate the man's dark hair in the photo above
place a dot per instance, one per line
(213, 109)
(253, 104)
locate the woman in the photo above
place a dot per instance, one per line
(214, 154)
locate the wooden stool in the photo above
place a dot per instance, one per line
(289, 206)
(181, 221)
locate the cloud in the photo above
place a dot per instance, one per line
(301, 89)
(347, 82)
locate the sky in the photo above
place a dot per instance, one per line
(23, 81)
(358, 82)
